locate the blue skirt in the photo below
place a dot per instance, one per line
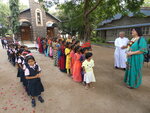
(35, 87)
(20, 72)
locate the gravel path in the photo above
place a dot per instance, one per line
(62, 95)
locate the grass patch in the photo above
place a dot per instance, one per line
(103, 44)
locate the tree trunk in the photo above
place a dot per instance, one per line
(87, 11)
(86, 20)
(87, 29)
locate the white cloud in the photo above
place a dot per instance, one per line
(25, 2)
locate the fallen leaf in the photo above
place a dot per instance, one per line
(5, 108)
(22, 109)
(14, 107)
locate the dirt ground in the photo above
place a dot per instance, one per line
(62, 95)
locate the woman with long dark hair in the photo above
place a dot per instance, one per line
(136, 49)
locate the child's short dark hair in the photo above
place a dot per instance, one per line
(67, 44)
(20, 51)
(77, 49)
(83, 50)
(29, 58)
(88, 55)
(72, 47)
(77, 42)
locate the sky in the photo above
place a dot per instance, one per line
(26, 2)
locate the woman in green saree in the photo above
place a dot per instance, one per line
(137, 49)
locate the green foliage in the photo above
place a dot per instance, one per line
(146, 3)
(71, 16)
(148, 41)
(82, 16)
(4, 13)
(98, 39)
(14, 19)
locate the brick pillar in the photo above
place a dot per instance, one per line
(38, 29)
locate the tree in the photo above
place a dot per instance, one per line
(71, 16)
(4, 13)
(146, 3)
(14, 16)
(112, 7)
(93, 10)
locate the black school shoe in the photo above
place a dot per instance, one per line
(116, 67)
(33, 103)
(40, 99)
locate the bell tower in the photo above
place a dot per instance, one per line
(38, 19)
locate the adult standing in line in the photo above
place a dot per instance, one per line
(120, 51)
(136, 49)
(2, 41)
(39, 45)
(5, 43)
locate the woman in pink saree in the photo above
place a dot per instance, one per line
(39, 45)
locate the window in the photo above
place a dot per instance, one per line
(39, 20)
(128, 32)
(114, 33)
(146, 30)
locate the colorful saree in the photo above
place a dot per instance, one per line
(133, 74)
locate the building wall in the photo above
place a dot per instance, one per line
(25, 15)
(111, 35)
(127, 21)
(31, 15)
(37, 30)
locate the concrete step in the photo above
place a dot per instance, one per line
(30, 44)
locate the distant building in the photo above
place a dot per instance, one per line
(109, 29)
(36, 22)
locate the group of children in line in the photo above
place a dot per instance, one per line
(29, 71)
(71, 57)
(68, 55)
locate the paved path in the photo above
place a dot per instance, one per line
(62, 95)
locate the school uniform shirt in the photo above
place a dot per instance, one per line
(5, 41)
(20, 61)
(16, 59)
(27, 72)
(14, 50)
(10, 51)
(35, 86)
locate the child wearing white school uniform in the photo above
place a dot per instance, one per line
(87, 66)
(21, 62)
(33, 74)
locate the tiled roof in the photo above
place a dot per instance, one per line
(145, 11)
(46, 13)
(125, 26)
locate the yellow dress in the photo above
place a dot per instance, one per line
(89, 74)
(67, 53)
